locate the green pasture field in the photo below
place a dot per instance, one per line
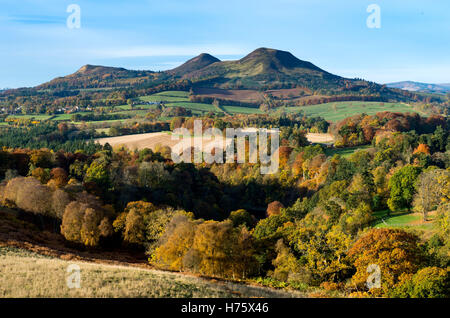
(34, 116)
(241, 110)
(345, 152)
(194, 106)
(402, 219)
(339, 110)
(181, 99)
(168, 96)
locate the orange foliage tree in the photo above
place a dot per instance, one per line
(274, 208)
(395, 251)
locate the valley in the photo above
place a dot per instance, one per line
(87, 177)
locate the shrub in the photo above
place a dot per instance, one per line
(241, 217)
(429, 282)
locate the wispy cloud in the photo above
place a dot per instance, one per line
(34, 19)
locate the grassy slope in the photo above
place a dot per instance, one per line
(27, 274)
(33, 263)
(242, 110)
(181, 99)
(345, 152)
(339, 110)
(403, 220)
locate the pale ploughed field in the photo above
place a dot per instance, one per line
(152, 140)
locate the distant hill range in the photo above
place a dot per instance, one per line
(265, 70)
(421, 87)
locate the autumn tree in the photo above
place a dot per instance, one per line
(359, 190)
(270, 228)
(297, 166)
(152, 174)
(175, 243)
(431, 190)
(284, 153)
(134, 231)
(431, 282)
(219, 249)
(62, 127)
(41, 174)
(73, 221)
(142, 223)
(422, 148)
(356, 219)
(212, 245)
(59, 200)
(380, 182)
(98, 172)
(402, 187)
(30, 195)
(428, 282)
(322, 248)
(287, 268)
(59, 177)
(394, 251)
(85, 224)
(42, 158)
(241, 217)
(274, 208)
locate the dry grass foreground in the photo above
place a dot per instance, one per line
(151, 140)
(27, 274)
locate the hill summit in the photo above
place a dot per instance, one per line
(195, 64)
(275, 60)
(95, 69)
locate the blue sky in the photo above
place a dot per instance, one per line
(413, 42)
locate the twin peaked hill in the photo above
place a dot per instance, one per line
(262, 69)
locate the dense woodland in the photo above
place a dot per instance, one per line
(310, 224)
